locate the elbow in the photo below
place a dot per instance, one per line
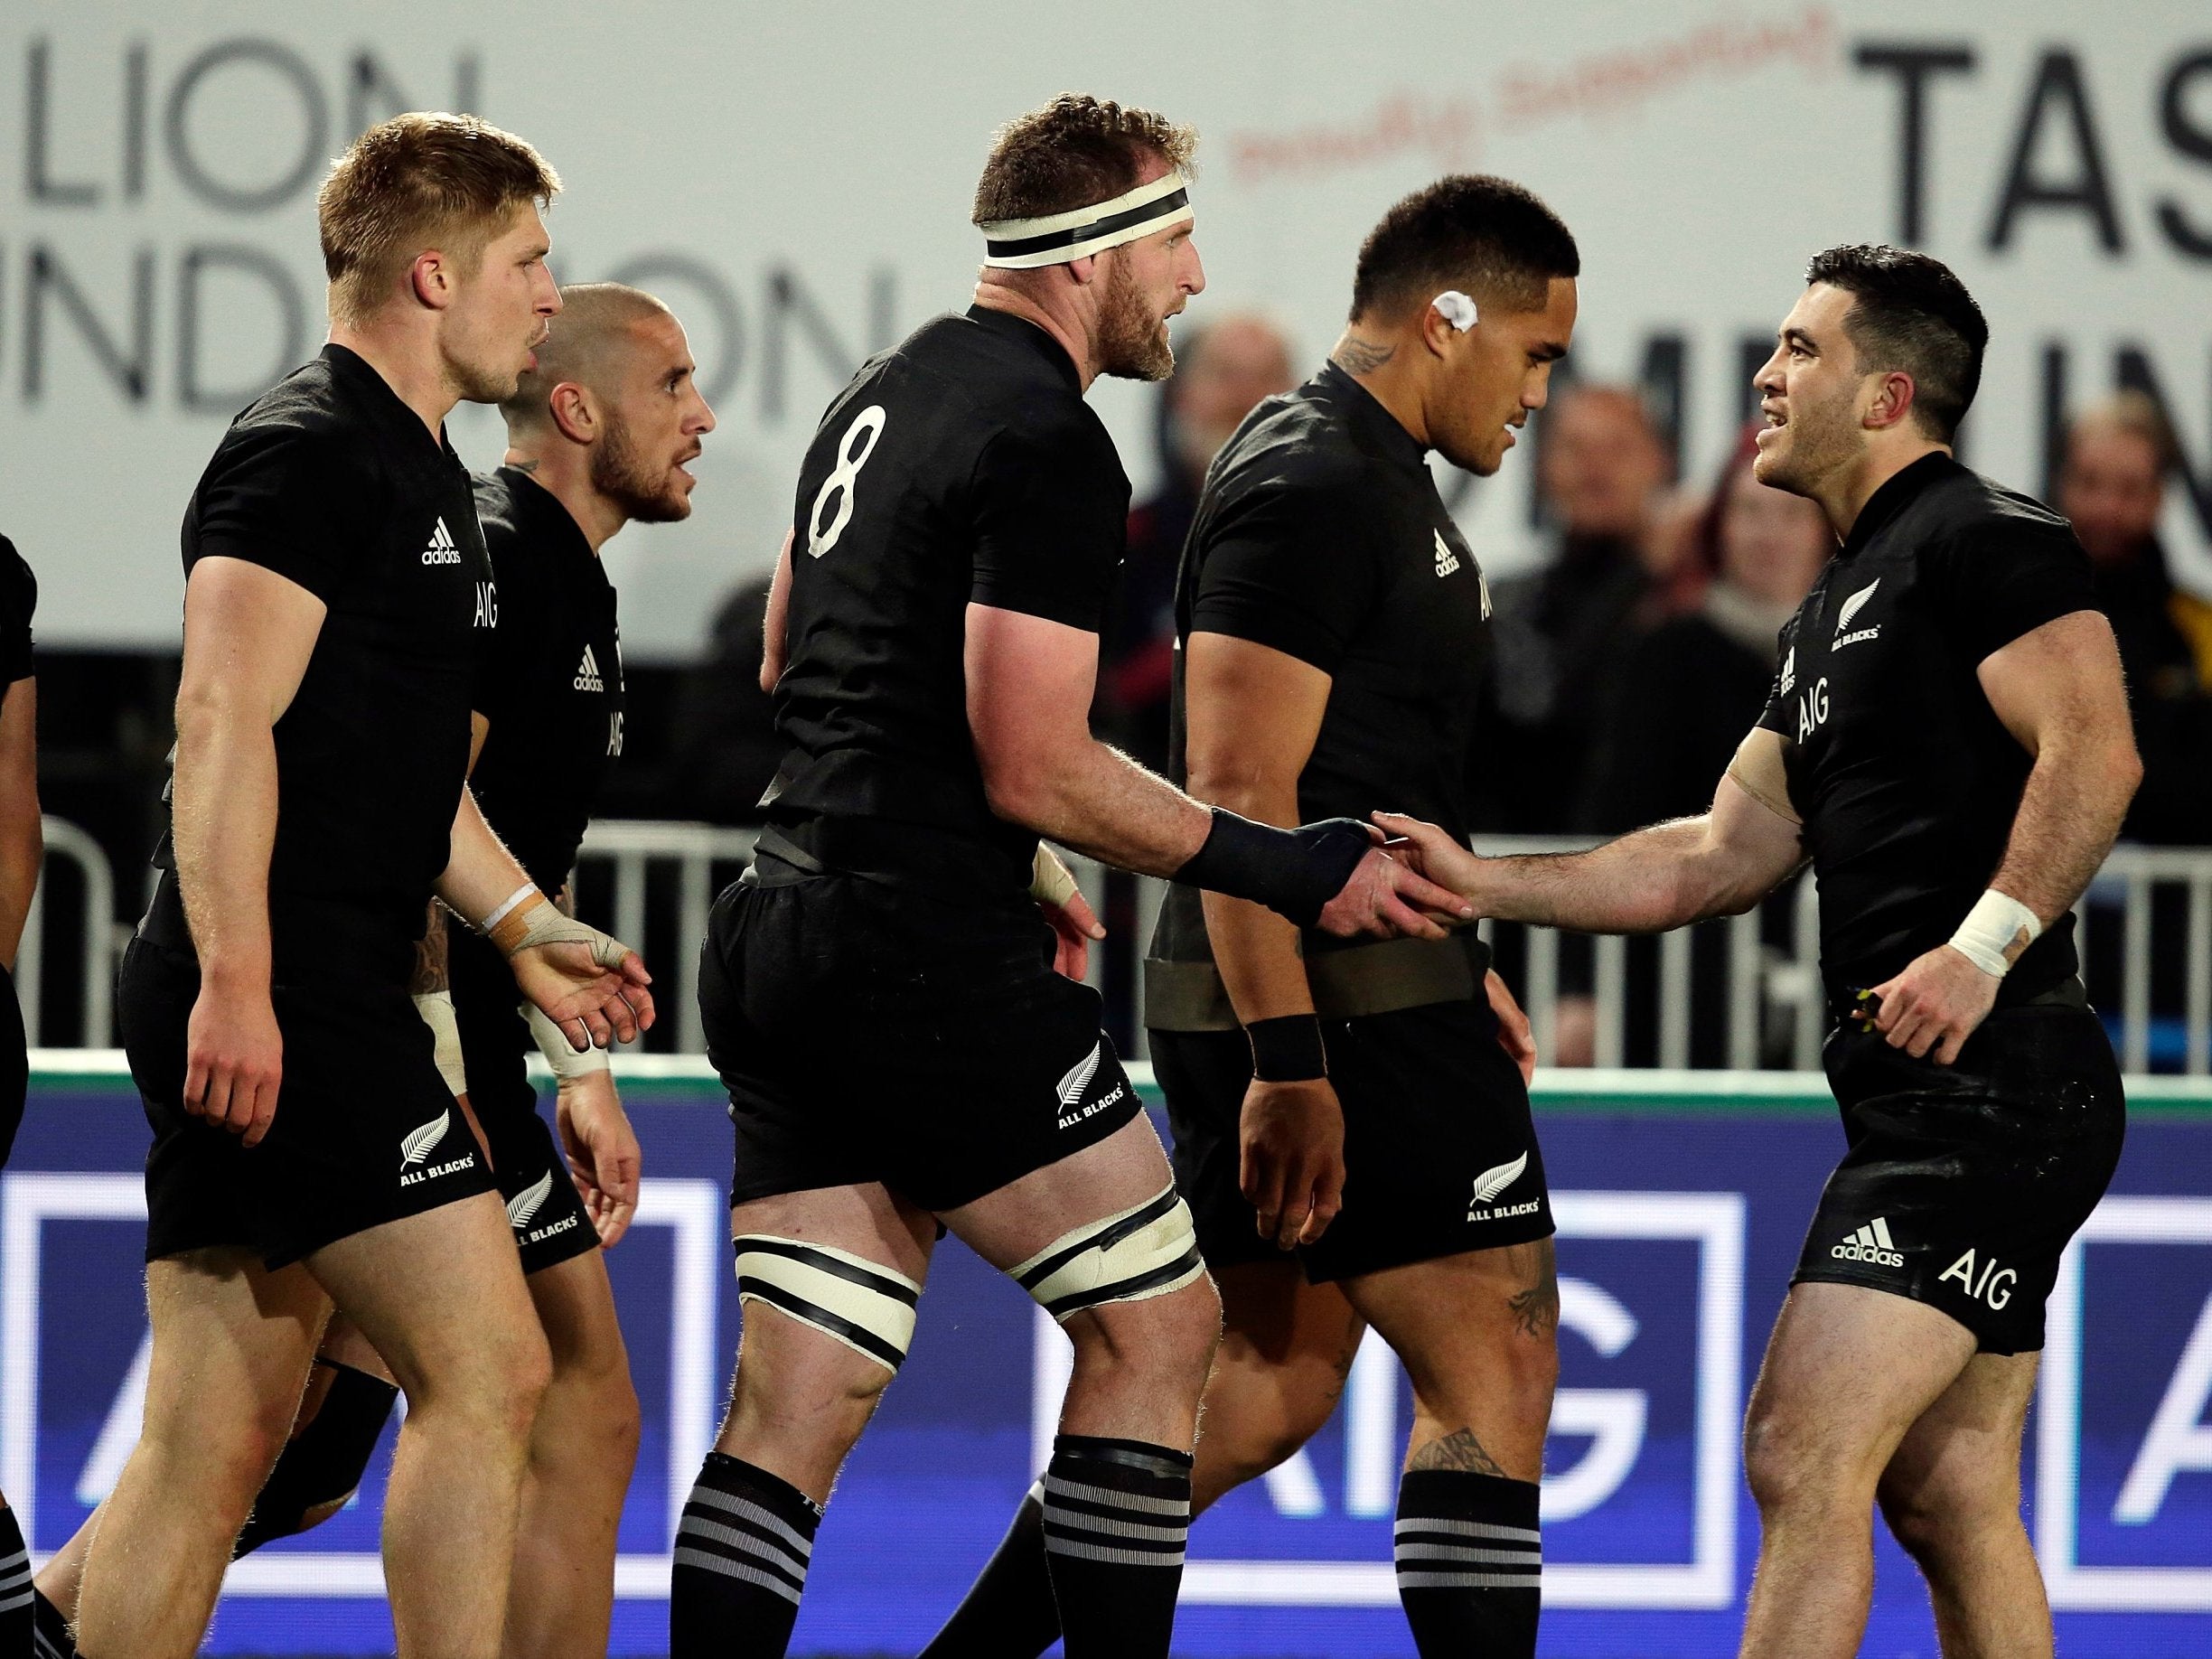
(1014, 791)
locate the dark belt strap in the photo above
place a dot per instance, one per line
(1375, 979)
(905, 856)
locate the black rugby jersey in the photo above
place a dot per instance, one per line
(552, 680)
(18, 599)
(963, 466)
(1906, 779)
(1319, 533)
(332, 483)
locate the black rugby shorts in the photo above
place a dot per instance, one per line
(550, 1221)
(365, 1131)
(868, 1032)
(1964, 1182)
(1440, 1153)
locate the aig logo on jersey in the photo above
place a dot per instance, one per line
(1844, 632)
(441, 549)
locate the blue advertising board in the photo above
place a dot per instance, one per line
(1681, 1200)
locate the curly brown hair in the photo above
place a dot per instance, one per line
(417, 181)
(1074, 151)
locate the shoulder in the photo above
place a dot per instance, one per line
(16, 578)
(303, 421)
(1969, 511)
(496, 507)
(1291, 449)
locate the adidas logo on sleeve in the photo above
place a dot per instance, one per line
(588, 673)
(441, 549)
(1871, 1244)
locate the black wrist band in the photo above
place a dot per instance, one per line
(1293, 872)
(1287, 1049)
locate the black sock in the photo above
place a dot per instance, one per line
(1117, 1516)
(741, 1563)
(323, 1463)
(15, 1592)
(49, 1632)
(1470, 1563)
(1008, 1613)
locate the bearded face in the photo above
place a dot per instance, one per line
(649, 490)
(1132, 332)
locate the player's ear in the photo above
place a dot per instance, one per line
(1084, 271)
(1893, 401)
(576, 414)
(431, 279)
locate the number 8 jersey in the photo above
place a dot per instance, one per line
(962, 468)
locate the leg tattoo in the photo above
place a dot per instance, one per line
(1461, 1451)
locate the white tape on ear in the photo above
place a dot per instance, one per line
(1457, 309)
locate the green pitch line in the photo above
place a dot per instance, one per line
(1556, 1093)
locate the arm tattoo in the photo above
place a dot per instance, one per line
(1357, 356)
(1461, 1451)
(1536, 1309)
(430, 954)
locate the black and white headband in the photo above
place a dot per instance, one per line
(1025, 243)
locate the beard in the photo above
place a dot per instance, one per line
(1132, 342)
(1821, 440)
(646, 494)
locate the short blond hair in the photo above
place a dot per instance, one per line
(2136, 413)
(423, 180)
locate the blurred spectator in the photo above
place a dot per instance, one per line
(1222, 369)
(1693, 687)
(1562, 635)
(727, 748)
(2111, 485)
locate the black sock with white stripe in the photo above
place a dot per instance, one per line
(1470, 1563)
(741, 1563)
(49, 1632)
(14, 1589)
(1117, 1516)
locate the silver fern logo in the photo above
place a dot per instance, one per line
(424, 1141)
(1079, 1076)
(1850, 613)
(1492, 1182)
(523, 1207)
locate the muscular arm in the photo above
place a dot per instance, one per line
(248, 633)
(2058, 690)
(1720, 863)
(21, 843)
(1252, 714)
(1029, 685)
(775, 651)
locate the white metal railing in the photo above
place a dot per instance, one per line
(96, 946)
(633, 846)
(1755, 977)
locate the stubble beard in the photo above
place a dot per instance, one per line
(620, 474)
(1132, 340)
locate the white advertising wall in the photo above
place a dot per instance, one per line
(795, 179)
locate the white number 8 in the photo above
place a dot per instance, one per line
(821, 538)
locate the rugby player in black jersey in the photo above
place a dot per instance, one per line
(20, 848)
(878, 993)
(1333, 629)
(336, 582)
(1947, 740)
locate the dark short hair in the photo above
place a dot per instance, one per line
(1467, 231)
(1911, 315)
(1076, 151)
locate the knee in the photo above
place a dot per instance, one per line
(592, 1394)
(1932, 1519)
(1788, 1465)
(1162, 1343)
(226, 1454)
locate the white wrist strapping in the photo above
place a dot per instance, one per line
(436, 1009)
(1996, 925)
(1049, 881)
(498, 913)
(560, 1055)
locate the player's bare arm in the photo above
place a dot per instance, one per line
(597, 1136)
(21, 841)
(774, 650)
(1030, 683)
(1253, 714)
(593, 987)
(248, 633)
(2058, 692)
(1667, 876)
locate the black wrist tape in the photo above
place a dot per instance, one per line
(1287, 1049)
(1293, 872)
